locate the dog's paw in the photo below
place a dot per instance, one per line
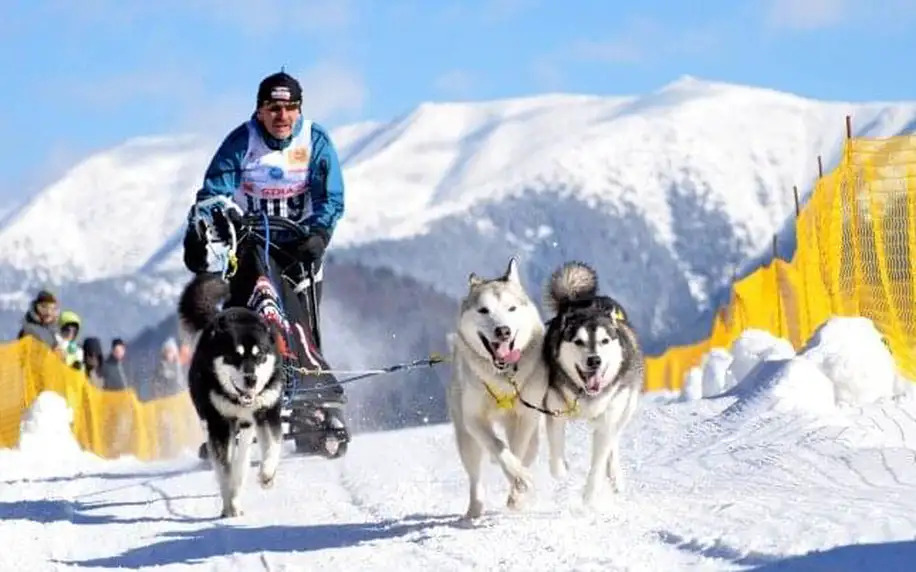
(524, 483)
(266, 479)
(520, 478)
(559, 469)
(618, 485)
(475, 511)
(518, 495)
(232, 511)
(595, 494)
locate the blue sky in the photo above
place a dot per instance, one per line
(83, 75)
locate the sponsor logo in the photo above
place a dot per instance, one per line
(275, 173)
(278, 192)
(298, 156)
(280, 93)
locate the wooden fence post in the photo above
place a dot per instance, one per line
(778, 290)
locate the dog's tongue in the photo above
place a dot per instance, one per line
(507, 353)
(593, 383)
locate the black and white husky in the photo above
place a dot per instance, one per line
(235, 383)
(596, 371)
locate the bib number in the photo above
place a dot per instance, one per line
(292, 208)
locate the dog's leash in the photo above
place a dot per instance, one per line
(507, 401)
(433, 360)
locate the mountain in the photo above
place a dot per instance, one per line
(666, 193)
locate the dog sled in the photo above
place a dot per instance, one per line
(272, 282)
(286, 292)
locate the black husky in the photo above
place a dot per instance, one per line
(235, 383)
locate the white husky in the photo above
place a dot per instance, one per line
(498, 369)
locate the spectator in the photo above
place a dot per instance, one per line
(94, 357)
(113, 368)
(168, 377)
(40, 320)
(69, 330)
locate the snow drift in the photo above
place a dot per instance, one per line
(845, 364)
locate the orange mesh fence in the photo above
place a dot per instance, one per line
(856, 242)
(105, 422)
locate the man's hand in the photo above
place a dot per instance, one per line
(312, 248)
(205, 248)
(223, 219)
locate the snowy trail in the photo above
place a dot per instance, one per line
(769, 476)
(706, 492)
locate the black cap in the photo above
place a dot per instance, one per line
(45, 297)
(279, 87)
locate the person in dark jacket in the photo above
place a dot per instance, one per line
(113, 368)
(168, 379)
(40, 320)
(94, 357)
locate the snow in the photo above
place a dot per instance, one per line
(45, 431)
(845, 363)
(806, 463)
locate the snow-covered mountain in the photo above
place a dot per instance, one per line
(664, 192)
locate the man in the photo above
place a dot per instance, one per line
(279, 163)
(40, 321)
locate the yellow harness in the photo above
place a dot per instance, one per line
(506, 401)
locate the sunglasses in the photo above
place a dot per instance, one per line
(277, 107)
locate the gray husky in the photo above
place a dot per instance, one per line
(596, 373)
(497, 370)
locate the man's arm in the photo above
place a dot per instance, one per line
(224, 173)
(327, 186)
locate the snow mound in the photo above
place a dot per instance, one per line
(47, 445)
(710, 378)
(786, 385)
(844, 364)
(721, 370)
(46, 431)
(852, 352)
(751, 348)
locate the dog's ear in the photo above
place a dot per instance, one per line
(511, 274)
(474, 280)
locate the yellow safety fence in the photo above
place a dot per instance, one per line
(105, 422)
(855, 256)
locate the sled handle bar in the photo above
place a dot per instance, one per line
(256, 223)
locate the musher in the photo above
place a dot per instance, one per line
(281, 164)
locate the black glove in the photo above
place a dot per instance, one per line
(195, 239)
(312, 248)
(223, 220)
(195, 250)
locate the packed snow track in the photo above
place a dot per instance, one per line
(754, 479)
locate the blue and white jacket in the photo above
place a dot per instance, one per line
(298, 177)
